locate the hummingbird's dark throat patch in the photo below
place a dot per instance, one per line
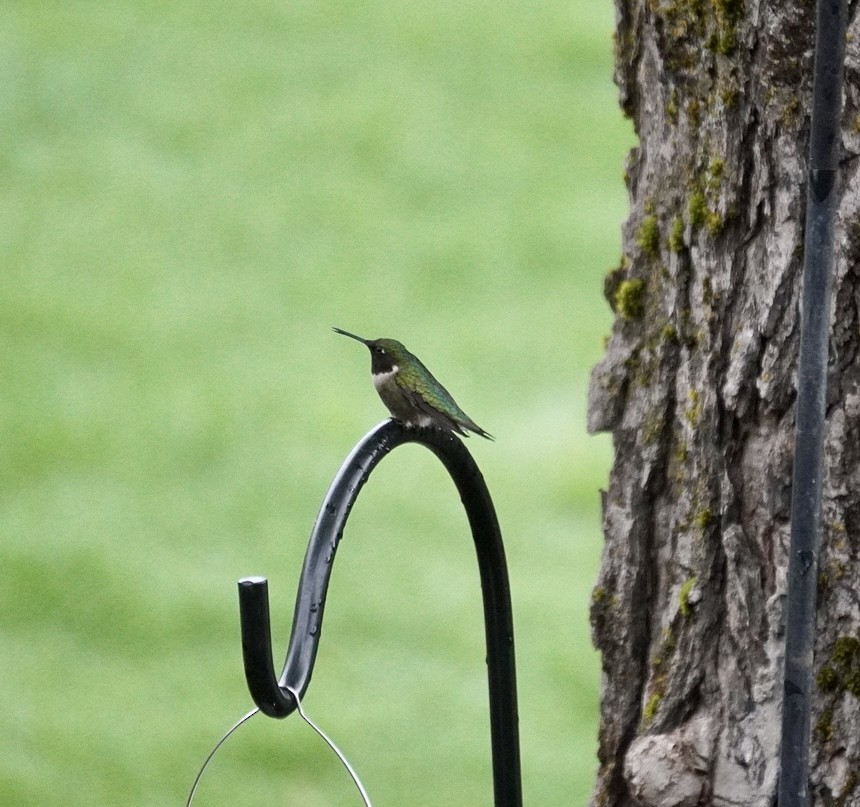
(381, 362)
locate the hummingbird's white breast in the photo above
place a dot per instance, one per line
(381, 379)
(397, 402)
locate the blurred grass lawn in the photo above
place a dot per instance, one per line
(193, 193)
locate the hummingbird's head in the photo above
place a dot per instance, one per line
(385, 354)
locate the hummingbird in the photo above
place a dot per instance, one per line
(409, 390)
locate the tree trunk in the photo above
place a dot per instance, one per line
(698, 389)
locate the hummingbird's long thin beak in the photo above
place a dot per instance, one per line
(351, 335)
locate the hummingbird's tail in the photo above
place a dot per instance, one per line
(474, 427)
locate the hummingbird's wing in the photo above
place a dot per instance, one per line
(430, 398)
(436, 415)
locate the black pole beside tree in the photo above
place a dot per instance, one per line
(698, 387)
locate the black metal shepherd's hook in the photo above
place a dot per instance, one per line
(270, 693)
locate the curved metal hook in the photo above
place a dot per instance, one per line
(273, 695)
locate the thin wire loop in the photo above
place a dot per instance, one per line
(340, 755)
(328, 741)
(208, 759)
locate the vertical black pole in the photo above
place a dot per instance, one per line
(811, 398)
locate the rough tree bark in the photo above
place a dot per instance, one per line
(698, 389)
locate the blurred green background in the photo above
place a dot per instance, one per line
(193, 193)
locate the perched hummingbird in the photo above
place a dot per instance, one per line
(410, 391)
